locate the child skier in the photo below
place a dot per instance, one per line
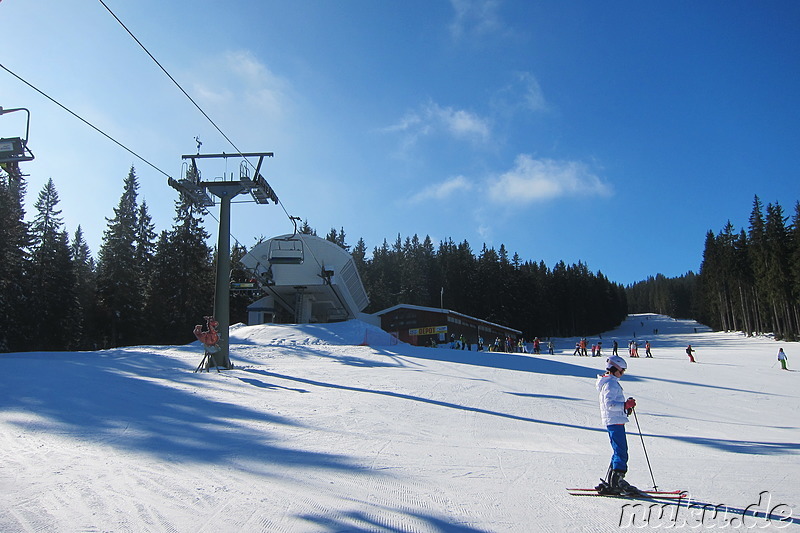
(614, 409)
(782, 359)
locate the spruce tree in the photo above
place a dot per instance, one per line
(777, 270)
(119, 294)
(145, 243)
(182, 282)
(757, 254)
(14, 263)
(413, 273)
(359, 255)
(305, 229)
(85, 284)
(52, 293)
(794, 267)
(338, 237)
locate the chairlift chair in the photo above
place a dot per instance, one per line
(287, 251)
(14, 150)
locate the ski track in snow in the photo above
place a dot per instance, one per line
(313, 433)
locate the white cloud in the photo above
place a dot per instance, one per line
(443, 190)
(262, 88)
(532, 95)
(463, 123)
(238, 78)
(522, 94)
(535, 180)
(474, 17)
(433, 118)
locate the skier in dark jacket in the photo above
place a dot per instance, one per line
(689, 352)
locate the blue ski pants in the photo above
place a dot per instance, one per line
(619, 444)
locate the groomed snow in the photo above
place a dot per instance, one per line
(313, 433)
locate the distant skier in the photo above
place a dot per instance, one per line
(647, 349)
(782, 359)
(614, 409)
(689, 352)
(616, 348)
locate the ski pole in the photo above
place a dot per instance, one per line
(655, 487)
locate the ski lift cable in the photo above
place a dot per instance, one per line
(121, 145)
(178, 85)
(65, 108)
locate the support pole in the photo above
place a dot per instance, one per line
(222, 311)
(225, 191)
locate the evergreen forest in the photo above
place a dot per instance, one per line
(749, 279)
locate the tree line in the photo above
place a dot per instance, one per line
(567, 300)
(749, 279)
(146, 287)
(143, 288)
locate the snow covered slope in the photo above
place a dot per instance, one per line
(313, 433)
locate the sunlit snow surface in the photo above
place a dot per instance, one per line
(313, 432)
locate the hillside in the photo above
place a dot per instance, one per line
(313, 433)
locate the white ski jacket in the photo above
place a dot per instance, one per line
(612, 400)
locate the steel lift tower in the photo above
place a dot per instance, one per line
(197, 192)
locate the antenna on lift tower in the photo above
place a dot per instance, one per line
(197, 191)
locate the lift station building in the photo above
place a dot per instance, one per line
(307, 279)
(421, 326)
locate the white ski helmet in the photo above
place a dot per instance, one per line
(617, 362)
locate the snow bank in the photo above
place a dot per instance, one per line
(350, 332)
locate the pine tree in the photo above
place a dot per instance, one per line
(119, 294)
(359, 255)
(338, 237)
(757, 255)
(777, 270)
(85, 284)
(413, 273)
(145, 237)
(14, 264)
(182, 282)
(52, 283)
(305, 229)
(794, 267)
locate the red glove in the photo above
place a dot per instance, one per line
(630, 403)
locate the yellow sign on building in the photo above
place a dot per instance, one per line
(430, 330)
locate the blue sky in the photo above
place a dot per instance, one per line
(613, 133)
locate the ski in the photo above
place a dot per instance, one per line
(652, 494)
(645, 491)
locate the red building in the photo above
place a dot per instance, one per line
(421, 326)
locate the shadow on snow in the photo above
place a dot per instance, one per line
(114, 398)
